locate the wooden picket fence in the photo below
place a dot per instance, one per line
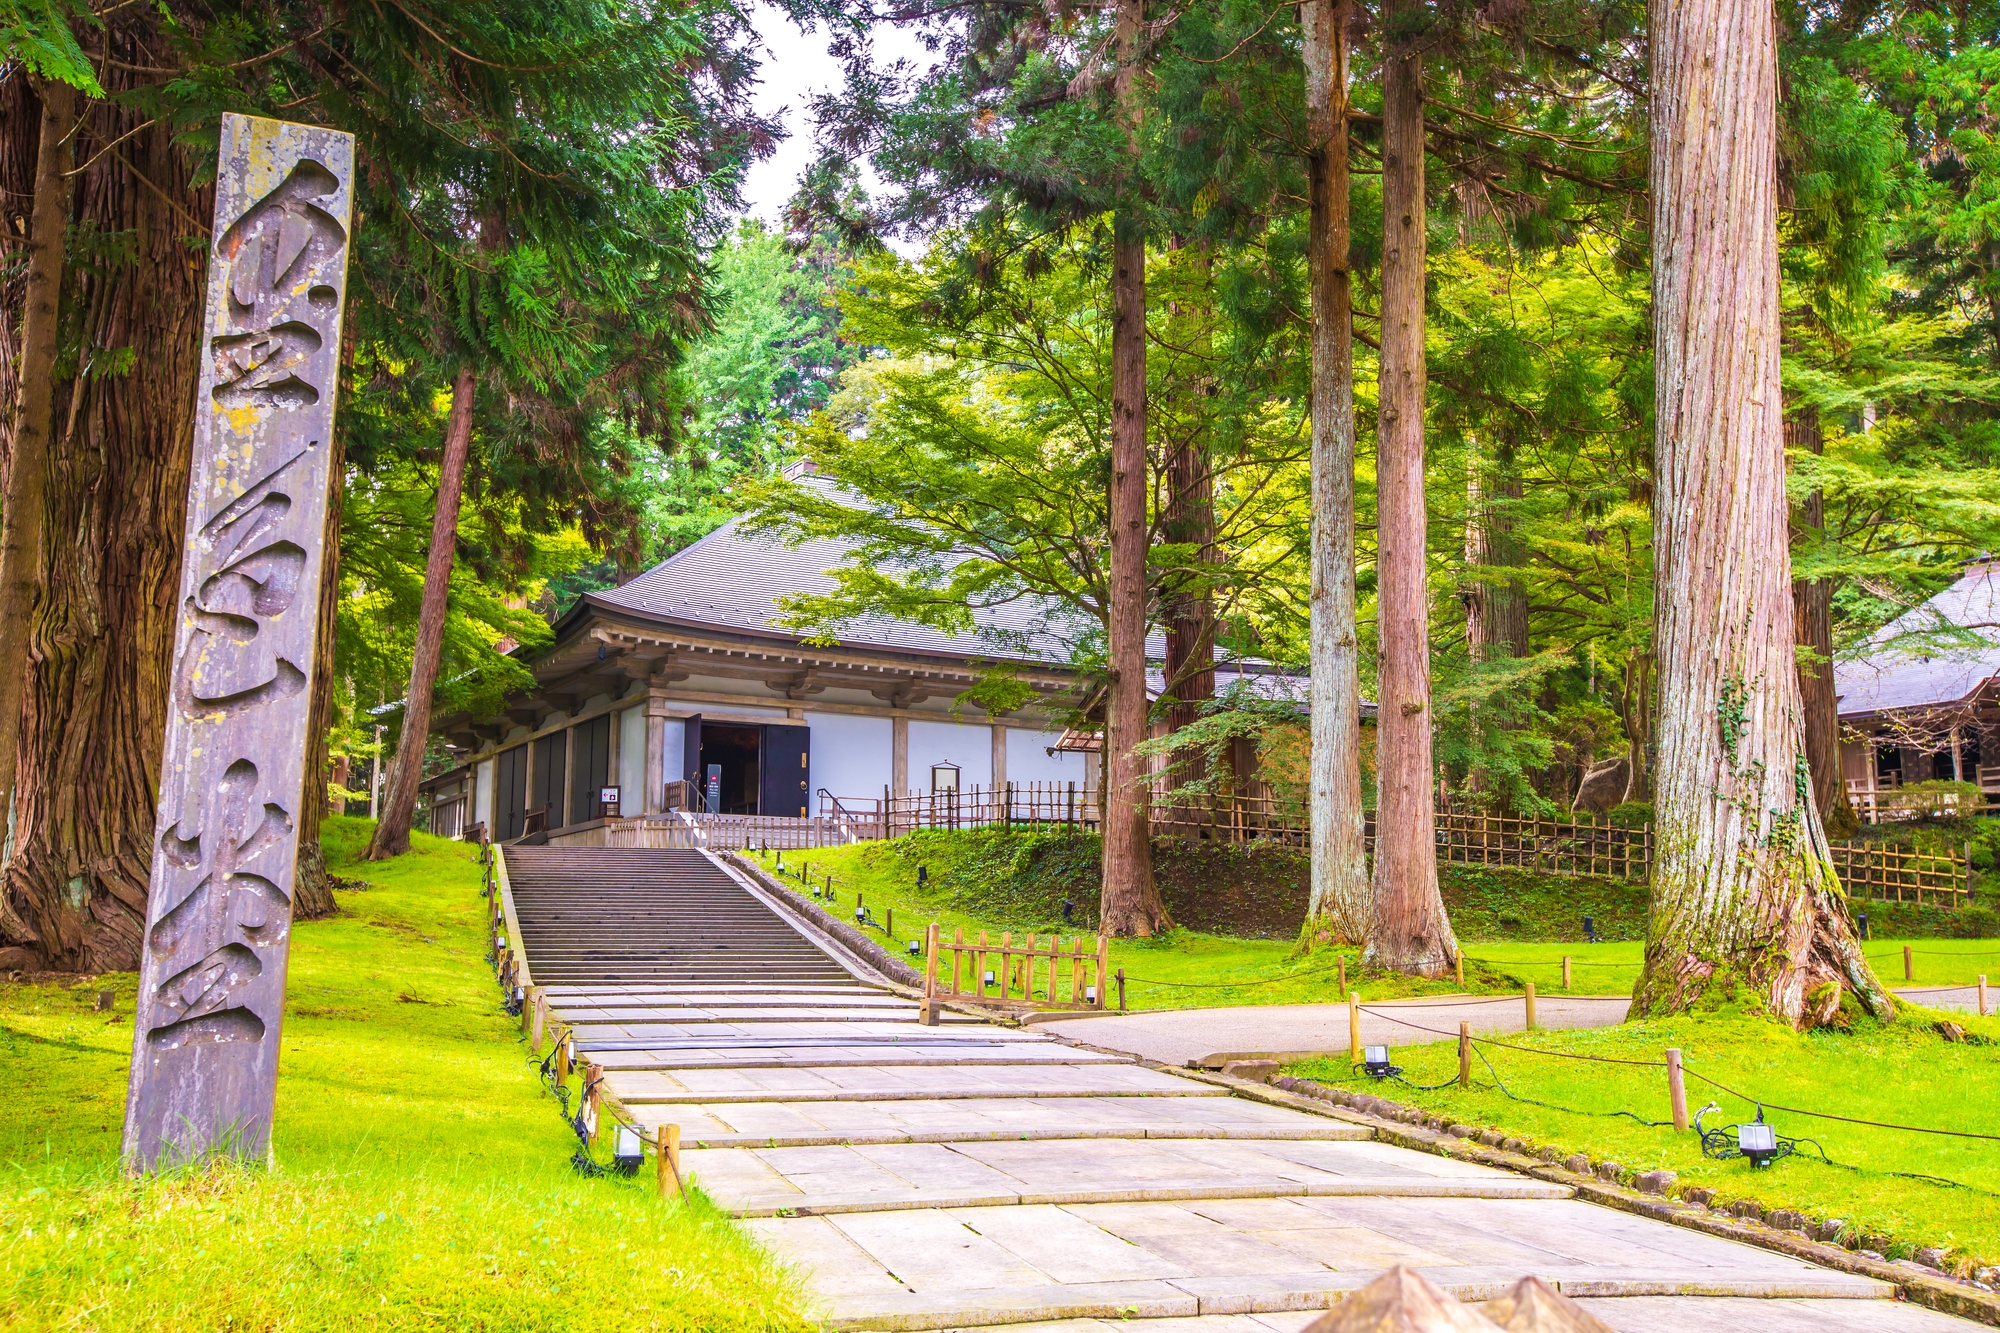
(1902, 874)
(1028, 975)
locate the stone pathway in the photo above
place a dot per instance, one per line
(974, 1175)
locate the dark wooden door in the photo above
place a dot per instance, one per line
(589, 766)
(510, 793)
(785, 773)
(546, 791)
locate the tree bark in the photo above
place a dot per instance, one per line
(1812, 630)
(312, 883)
(1410, 932)
(1130, 902)
(1496, 608)
(34, 421)
(1341, 907)
(94, 704)
(399, 805)
(1744, 894)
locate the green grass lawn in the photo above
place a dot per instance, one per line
(972, 886)
(421, 1178)
(1901, 1073)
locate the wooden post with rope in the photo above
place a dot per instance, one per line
(1354, 1026)
(670, 1161)
(1677, 1092)
(1464, 1055)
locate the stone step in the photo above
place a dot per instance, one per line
(771, 1123)
(809, 1083)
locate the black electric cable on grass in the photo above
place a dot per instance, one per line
(1568, 1110)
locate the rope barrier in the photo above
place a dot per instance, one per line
(1509, 1046)
(1844, 1119)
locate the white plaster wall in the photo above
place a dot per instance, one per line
(673, 749)
(482, 794)
(631, 775)
(849, 756)
(1028, 760)
(970, 747)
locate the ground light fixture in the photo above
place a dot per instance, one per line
(1755, 1140)
(628, 1151)
(989, 976)
(1090, 995)
(1375, 1059)
(915, 948)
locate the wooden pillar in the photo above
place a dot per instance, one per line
(999, 783)
(899, 755)
(656, 754)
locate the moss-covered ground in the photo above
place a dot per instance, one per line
(1900, 1073)
(1514, 927)
(421, 1178)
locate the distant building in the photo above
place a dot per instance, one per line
(1924, 704)
(676, 691)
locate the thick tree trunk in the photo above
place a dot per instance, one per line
(312, 883)
(1744, 892)
(1130, 903)
(34, 422)
(1812, 631)
(399, 805)
(94, 707)
(1410, 931)
(1342, 905)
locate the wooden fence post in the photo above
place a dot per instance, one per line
(1343, 976)
(1566, 985)
(1982, 995)
(929, 1016)
(670, 1161)
(540, 1023)
(1677, 1092)
(1103, 968)
(1530, 998)
(1354, 1026)
(1907, 971)
(1458, 965)
(1464, 1055)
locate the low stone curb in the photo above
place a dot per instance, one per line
(1945, 1295)
(854, 941)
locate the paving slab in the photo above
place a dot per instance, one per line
(936, 1120)
(804, 1083)
(1635, 1314)
(1178, 1036)
(963, 1267)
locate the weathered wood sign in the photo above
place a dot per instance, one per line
(219, 910)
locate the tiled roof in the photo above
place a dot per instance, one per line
(734, 579)
(1890, 677)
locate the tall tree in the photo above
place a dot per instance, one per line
(33, 418)
(1131, 903)
(1744, 894)
(1411, 932)
(1340, 908)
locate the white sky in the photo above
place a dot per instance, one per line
(795, 66)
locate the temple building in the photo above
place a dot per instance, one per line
(1923, 704)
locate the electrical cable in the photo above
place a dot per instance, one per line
(1844, 1119)
(1552, 1106)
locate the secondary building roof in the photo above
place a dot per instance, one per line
(1911, 666)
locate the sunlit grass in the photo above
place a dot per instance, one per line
(421, 1178)
(1902, 1073)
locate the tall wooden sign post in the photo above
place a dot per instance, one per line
(219, 911)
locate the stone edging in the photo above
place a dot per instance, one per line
(1943, 1294)
(877, 957)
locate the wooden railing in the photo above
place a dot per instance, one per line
(1007, 975)
(1900, 874)
(1023, 805)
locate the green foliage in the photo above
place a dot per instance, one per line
(37, 35)
(421, 1178)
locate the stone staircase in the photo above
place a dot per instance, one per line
(637, 916)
